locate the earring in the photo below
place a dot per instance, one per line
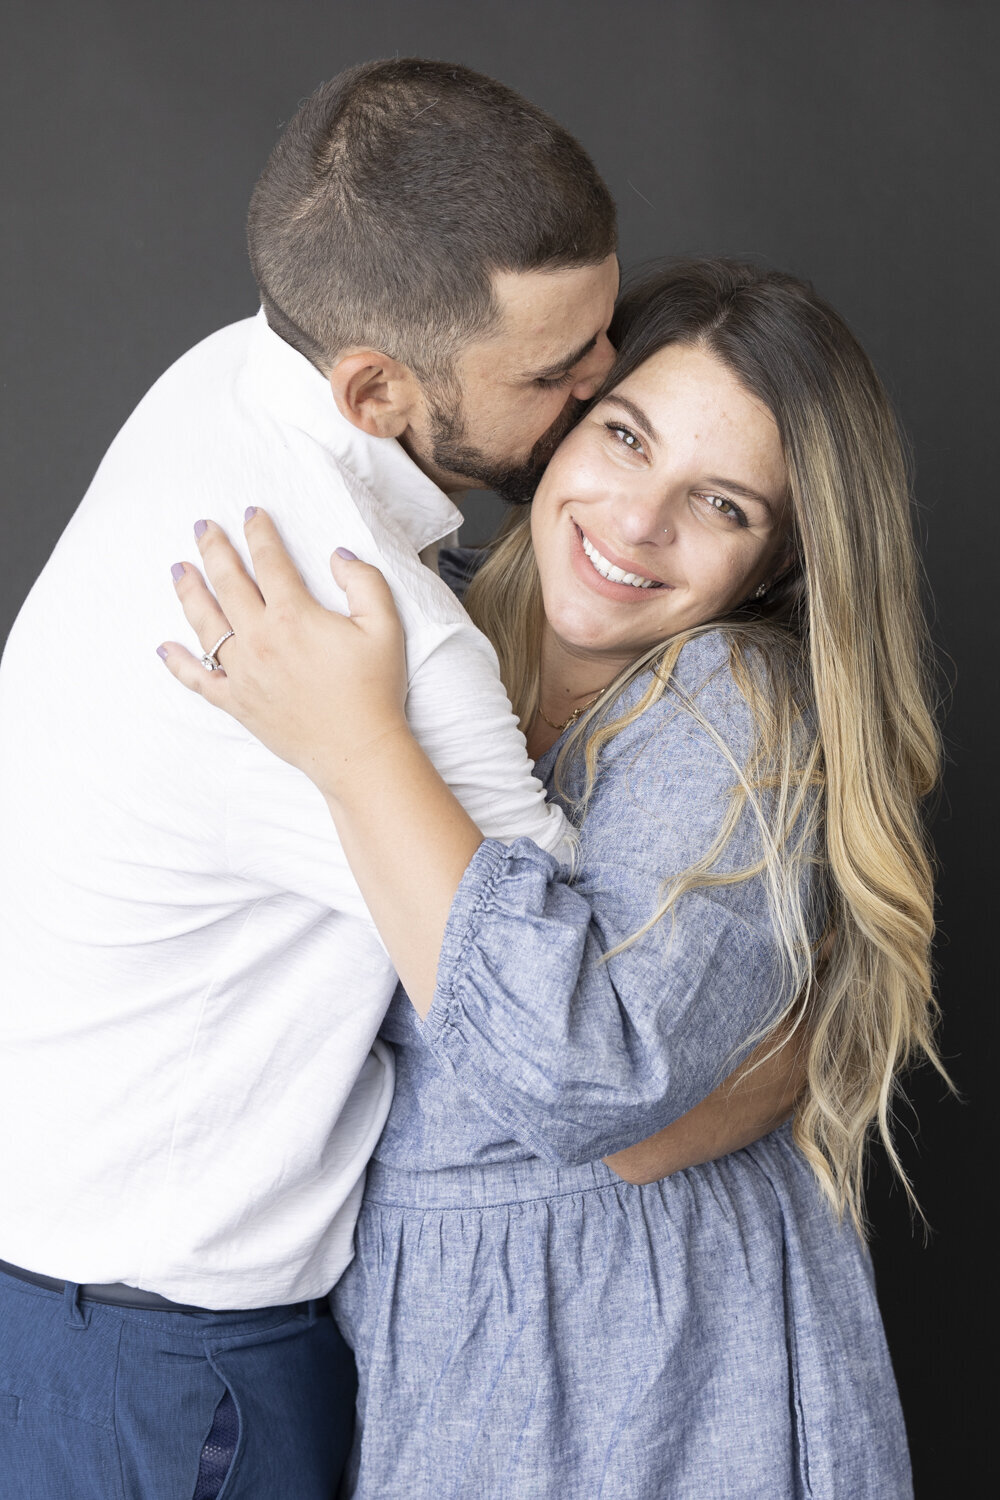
(761, 591)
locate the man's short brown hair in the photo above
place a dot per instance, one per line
(397, 192)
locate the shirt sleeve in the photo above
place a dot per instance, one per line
(280, 832)
(459, 712)
(578, 1054)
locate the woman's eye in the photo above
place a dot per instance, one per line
(625, 436)
(725, 508)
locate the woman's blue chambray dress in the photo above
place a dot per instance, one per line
(527, 1325)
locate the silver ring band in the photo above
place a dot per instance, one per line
(210, 660)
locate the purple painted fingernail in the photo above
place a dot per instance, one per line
(200, 527)
(177, 572)
(250, 512)
(346, 555)
(161, 652)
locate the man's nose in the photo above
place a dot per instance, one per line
(593, 369)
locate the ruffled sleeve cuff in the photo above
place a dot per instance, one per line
(516, 930)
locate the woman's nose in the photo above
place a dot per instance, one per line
(645, 517)
(592, 370)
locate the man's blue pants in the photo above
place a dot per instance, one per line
(115, 1403)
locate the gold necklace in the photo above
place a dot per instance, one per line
(577, 712)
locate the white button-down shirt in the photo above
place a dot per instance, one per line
(190, 1082)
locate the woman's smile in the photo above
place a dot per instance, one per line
(602, 569)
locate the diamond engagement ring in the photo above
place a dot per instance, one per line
(210, 661)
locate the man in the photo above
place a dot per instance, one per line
(191, 1082)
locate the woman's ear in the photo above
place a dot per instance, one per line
(375, 392)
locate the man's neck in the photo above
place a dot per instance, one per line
(453, 485)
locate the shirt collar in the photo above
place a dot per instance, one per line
(294, 390)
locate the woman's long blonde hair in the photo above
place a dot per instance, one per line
(843, 707)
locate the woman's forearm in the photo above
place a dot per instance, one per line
(408, 841)
(751, 1102)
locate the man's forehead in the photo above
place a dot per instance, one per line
(549, 319)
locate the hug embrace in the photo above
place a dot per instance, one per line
(471, 1002)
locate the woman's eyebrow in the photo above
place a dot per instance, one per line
(636, 413)
(742, 489)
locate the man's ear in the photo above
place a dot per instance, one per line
(375, 392)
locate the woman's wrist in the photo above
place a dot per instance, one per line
(379, 750)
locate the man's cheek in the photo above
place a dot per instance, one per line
(565, 421)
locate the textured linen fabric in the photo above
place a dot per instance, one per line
(526, 1324)
(192, 985)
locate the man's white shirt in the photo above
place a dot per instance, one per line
(190, 1080)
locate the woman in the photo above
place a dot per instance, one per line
(712, 637)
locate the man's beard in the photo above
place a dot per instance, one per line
(515, 483)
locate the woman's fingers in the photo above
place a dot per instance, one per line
(201, 609)
(213, 686)
(314, 686)
(235, 590)
(369, 597)
(278, 579)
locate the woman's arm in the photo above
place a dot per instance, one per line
(578, 1056)
(754, 1100)
(327, 692)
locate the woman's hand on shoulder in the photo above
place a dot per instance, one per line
(319, 689)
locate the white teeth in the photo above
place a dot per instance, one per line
(613, 574)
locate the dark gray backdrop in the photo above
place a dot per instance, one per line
(852, 142)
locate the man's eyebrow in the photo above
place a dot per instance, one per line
(636, 413)
(552, 372)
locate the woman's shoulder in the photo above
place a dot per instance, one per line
(714, 711)
(733, 674)
(668, 773)
(700, 698)
(704, 668)
(663, 780)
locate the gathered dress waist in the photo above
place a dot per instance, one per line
(490, 1185)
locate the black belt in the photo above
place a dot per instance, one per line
(116, 1294)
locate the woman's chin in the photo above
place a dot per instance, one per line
(583, 640)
